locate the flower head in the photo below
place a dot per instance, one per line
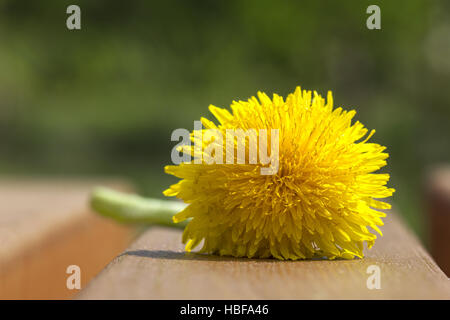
(320, 202)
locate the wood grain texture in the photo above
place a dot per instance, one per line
(155, 267)
(45, 226)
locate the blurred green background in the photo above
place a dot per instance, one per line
(104, 100)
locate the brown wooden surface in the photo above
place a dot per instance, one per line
(45, 226)
(155, 267)
(438, 203)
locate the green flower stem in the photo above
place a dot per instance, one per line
(131, 208)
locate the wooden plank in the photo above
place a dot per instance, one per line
(155, 267)
(45, 226)
(438, 205)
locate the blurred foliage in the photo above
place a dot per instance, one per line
(104, 100)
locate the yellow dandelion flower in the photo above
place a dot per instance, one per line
(320, 202)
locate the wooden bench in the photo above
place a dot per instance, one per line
(438, 208)
(45, 226)
(155, 267)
